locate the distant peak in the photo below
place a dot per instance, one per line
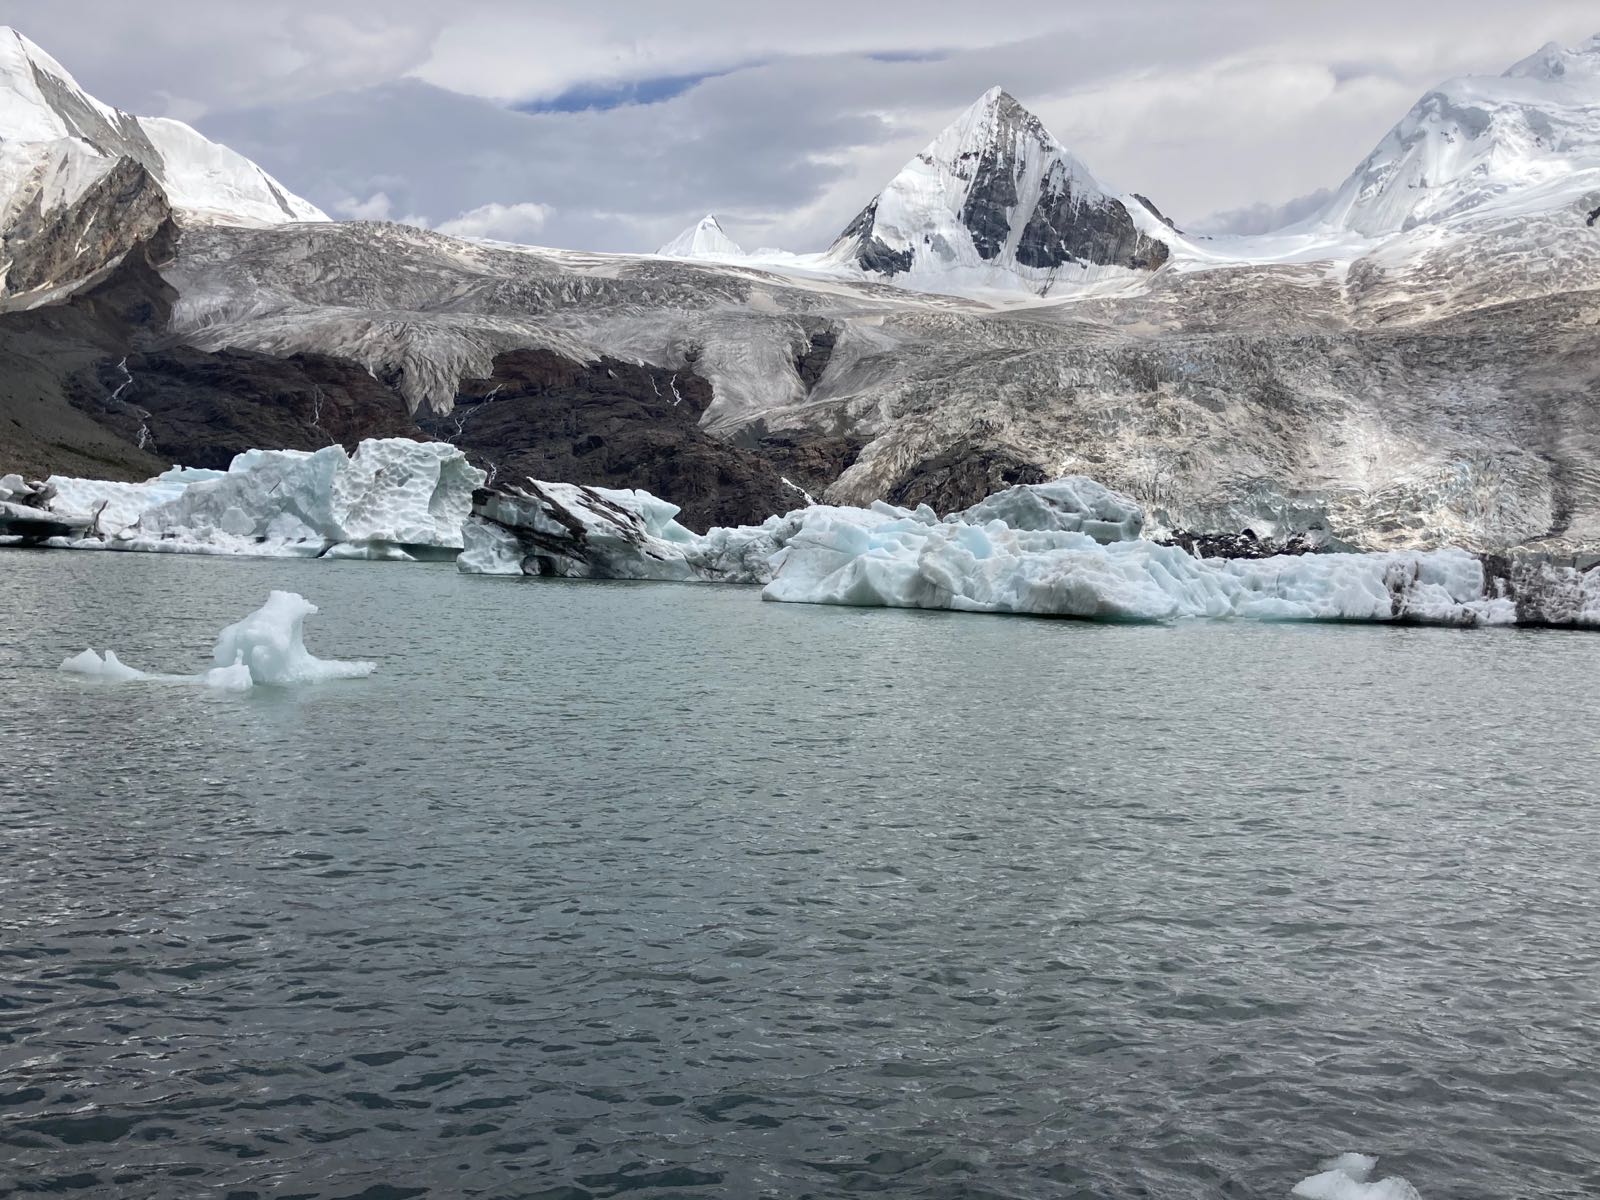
(706, 239)
(1555, 63)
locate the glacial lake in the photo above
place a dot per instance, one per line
(598, 889)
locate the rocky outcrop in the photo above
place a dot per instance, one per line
(1067, 228)
(616, 424)
(46, 249)
(962, 476)
(95, 387)
(870, 252)
(995, 192)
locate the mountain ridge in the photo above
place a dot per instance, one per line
(996, 194)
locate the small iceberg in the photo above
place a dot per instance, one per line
(266, 648)
(1348, 1177)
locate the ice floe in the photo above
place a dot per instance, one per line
(1348, 1177)
(570, 531)
(1067, 548)
(267, 647)
(1073, 551)
(393, 497)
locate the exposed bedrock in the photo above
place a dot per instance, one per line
(962, 476)
(622, 425)
(1064, 228)
(94, 387)
(45, 249)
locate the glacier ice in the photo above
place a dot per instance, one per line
(1348, 1177)
(111, 509)
(1074, 503)
(393, 493)
(901, 561)
(1073, 552)
(267, 647)
(572, 531)
(271, 643)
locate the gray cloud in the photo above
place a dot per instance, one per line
(1264, 218)
(407, 112)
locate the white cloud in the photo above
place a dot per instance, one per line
(501, 222)
(375, 207)
(1247, 102)
(1263, 217)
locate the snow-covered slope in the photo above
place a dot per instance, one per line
(704, 240)
(41, 106)
(81, 182)
(1478, 143)
(995, 200)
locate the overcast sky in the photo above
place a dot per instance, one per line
(611, 124)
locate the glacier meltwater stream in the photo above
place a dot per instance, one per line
(594, 889)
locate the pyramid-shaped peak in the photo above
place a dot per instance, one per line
(707, 239)
(996, 197)
(995, 113)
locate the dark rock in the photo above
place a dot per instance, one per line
(1156, 212)
(1593, 217)
(993, 195)
(1066, 228)
(68, 246)
(813, 361)
(200, 408)
(872, 253)
(609, 423)
(1244, 544)
(64, 407)
(962, 476)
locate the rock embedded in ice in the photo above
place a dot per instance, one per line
(1073, 503)
(899, 558)
(878, 558)
(570, 531)
(1348, 1178)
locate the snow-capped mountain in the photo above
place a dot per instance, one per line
(703, 240)
(1394, 389)
(80, 180)
(1475, 143)
(995, 199)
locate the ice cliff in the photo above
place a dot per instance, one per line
(1069, 548)
(392, 497)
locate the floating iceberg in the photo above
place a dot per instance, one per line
(267, 647)
(394, 496)
(271, 643)
(1347, 1178)
(901, 561)
(575, 532)
(1064, 549)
